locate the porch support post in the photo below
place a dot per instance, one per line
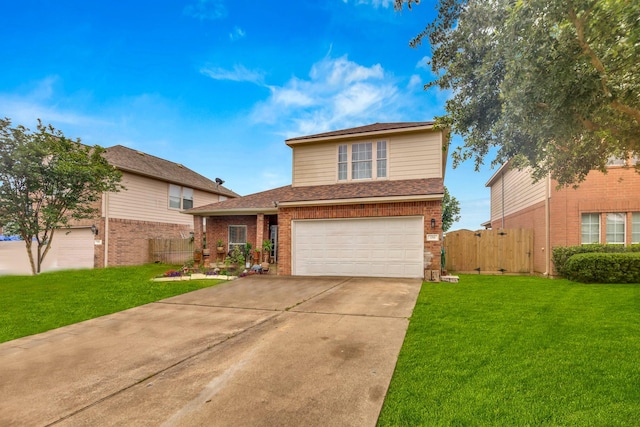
(259, 231)
(197, 232)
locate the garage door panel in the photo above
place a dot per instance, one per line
(380, 247)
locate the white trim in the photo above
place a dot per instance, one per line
(356, 201)
(365, 134)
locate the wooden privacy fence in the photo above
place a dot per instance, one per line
(170, 251)
(489, 251)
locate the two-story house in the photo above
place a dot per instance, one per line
(605, 208)
(156, 192)
(365, 201)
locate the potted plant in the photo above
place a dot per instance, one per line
(266, 248)
(248, 254)
(220, 246)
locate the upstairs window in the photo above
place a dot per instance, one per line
(180, 197)
(590, 228)
(381, 159)
(342, 162)
(615, 161)
(361, 157)
(367, 161)
(616, 228)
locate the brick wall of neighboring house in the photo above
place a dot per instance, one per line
(533, 218)
(431, 209)
(618, 191)
(128, 240)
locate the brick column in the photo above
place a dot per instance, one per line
(197, 233)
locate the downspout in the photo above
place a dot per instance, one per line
(547, 232)
(106, 229)
(502, 183)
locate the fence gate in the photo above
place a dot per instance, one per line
(489, 251)
(170, 251)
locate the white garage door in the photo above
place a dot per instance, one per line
(75, 248)
(375, 247)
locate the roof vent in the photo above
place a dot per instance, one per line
(140, 152)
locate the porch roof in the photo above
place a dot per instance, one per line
(360, 192)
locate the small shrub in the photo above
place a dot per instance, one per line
(604, 267)
(561, 254)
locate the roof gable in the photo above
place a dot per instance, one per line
(137, 162)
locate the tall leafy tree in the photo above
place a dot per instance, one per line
(450, 210)
(553, 84)
(46, 182)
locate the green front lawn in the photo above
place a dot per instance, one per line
(519, 351)
(33, 304)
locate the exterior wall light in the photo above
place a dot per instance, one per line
(433, 223)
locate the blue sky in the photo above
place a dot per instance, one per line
(218, 85)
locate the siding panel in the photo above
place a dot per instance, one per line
(413, 156)
(146, 199)
(520, 192)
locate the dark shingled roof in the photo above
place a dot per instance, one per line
(376, 127)
(129, 160)
(322, 193)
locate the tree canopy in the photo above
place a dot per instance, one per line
(46, 182)
(552, 84)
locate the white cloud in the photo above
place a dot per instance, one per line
(375, 3)
(425, 63)
(337, 93)
(238, 74)
(414, 82)
(237, 34)
(206, 9)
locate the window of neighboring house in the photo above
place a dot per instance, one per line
(180, 197)
(590, 228)
(342, 162)
(381, 159)
(361, 158)
(237, 236)
(635, 227)
(615, 228)
(615, 161)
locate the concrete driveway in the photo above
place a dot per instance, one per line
(262, 350)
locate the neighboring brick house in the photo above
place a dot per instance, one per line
(156, 192)
(605, 208)
(365, 201)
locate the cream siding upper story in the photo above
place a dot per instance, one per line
(147, 199)
(520, 192)
(409, 156)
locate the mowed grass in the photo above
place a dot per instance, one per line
(519, 351)
(33, 304)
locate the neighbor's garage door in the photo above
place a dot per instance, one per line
(375, 247)
(75, 248)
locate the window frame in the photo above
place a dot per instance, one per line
(381, 159)
(343, 162)
(589, 233)
(612, 228)
(180, 196)
(365, 163)
(635, 228)
(231, 244)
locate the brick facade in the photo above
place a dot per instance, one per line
(128, 240)
(430, 209)
(218, 228)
